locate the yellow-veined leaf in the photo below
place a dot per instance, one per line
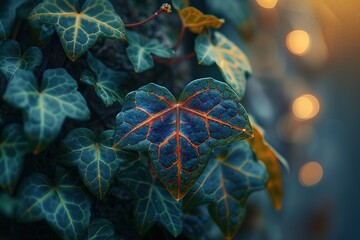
(79, 28)
(232, 62)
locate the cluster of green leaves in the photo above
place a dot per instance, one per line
(175, 156)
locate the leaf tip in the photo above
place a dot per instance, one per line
(278, 206)
(177, 195)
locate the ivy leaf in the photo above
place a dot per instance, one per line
(180, 134)
(13, 146)
(180, 4)
(196, 21)
(100, 229)
(230, 176)
(7, 16)
(107, 82)
(79, 30)
(63, 203)
(11, 58)
(140, 50)
(232, 62)
(45, 107)
(96, 160)
(265, 153)
(154, 203)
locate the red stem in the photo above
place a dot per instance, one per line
(131, 25)
(180, 38)
(165, 8)
(170, 61)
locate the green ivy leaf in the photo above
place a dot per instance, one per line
(13, 146)
(232, 62)
(63, 203)
(100, 229)
(230, 176)
(7, 16)
(11, 58)
(139, 51)
(45, 107)
(107, 82)
(80, 29)
(96, 160)
(154, 203)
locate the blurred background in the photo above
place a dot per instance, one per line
(305, 93)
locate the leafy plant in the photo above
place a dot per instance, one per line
(94, 141)
(62, 202)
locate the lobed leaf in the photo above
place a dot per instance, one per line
(265, 153)
(196, 21)
(154, 203)
(231, 175)
(62, 203)
(7, 16)
(45, 107)
(140, 50)
(13, 147)
(80, 29)
(106, 81)
(11, 58)
(94, 157)
(179, 135)
(100, 229)
(232, 62)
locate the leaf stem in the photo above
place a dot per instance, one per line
(165, 8)
(180, 38)
(170, 61)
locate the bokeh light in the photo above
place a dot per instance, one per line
(310, 174)
(298, 42)
(305, 107)
(267, 3)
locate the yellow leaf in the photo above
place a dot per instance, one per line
(232, 62)
(196, 21)
(265, 153)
